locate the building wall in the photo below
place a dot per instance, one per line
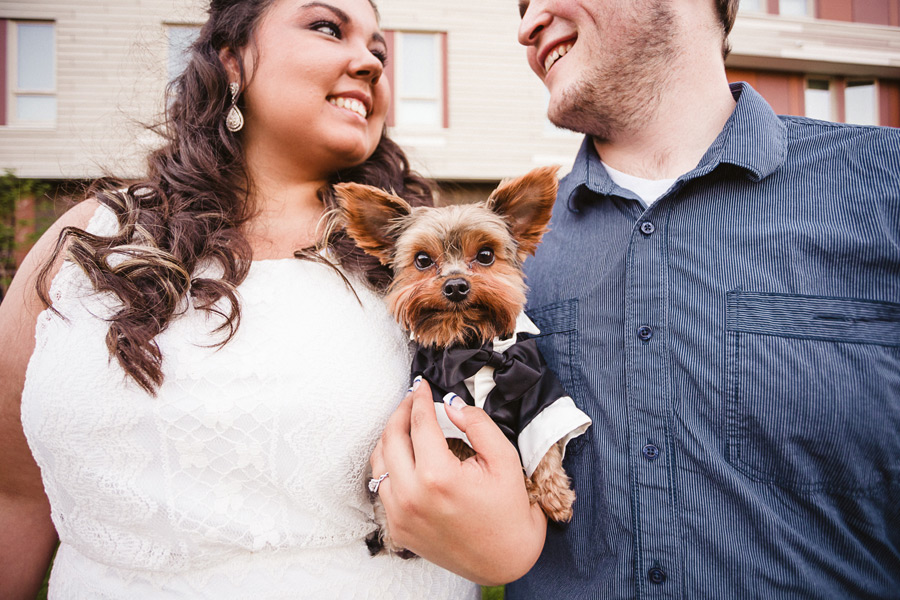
(110, 72)
(772, 42)
(112, 60)
(497, 123)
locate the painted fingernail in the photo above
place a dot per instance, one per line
(416, 382)
(454, 401)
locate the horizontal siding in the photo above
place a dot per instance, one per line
(497, 105)
(111, 71)
(112, 62)
(810, 45)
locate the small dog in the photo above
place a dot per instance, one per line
(459, 290)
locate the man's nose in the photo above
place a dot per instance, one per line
(533, 22)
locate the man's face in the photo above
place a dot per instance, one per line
(603, 61)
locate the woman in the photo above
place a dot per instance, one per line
(201, 403)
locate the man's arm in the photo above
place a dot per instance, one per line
(471, 517)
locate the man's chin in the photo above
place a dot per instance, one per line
(571, 119)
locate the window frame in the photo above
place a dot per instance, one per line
(832, 97)
(762, 9)
(876, 95)
(12, 92)
(837, 89)
(394, 72)
(809, 14)
(194, 29)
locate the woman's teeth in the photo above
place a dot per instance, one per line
(557, 53)
(350, 104)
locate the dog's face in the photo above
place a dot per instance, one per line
(457, 269)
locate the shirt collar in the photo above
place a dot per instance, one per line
(753, 139)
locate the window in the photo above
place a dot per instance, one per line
(419, 79)
(818, 99)
(843, 100)
(751, 6)
(180, 39)
(795, 8)
(861, 102)
(31, 72)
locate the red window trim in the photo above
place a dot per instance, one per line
(445, 78)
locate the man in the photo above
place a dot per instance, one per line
(720, 292)
(721, 287)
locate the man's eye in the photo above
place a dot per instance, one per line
(523, 8)
(328, 28)
(423, 261)
(485, 257)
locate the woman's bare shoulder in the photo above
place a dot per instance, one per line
(22, 297)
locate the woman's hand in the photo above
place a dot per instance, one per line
(471, 517)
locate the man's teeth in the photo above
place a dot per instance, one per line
(554, 56)
(350, 104)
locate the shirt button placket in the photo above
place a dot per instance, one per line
(647, 228)
(649, 411)
(650, 452)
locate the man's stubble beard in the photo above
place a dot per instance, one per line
(621, 91)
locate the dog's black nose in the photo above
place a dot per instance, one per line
(456, 290)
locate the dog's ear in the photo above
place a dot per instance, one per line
(526, 203)
(372, 217)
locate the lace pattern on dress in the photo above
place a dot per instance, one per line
(247, 471)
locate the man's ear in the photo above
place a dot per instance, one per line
(526, 204)
(372, 217)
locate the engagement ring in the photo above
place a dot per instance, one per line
(375, 482)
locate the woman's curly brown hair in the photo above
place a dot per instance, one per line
(188, 211)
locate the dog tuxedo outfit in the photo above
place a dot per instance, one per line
(510, 381)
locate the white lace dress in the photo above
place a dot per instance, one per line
(244, 477)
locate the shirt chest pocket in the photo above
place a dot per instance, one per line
(588, 532)
(813, 390)
(558, 342)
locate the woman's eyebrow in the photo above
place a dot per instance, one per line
(343, 17)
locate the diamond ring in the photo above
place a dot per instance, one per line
(375, 482)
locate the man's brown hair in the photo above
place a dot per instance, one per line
(727, 10)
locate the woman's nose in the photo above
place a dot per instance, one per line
(368, 66)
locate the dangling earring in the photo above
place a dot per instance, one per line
(235, 120)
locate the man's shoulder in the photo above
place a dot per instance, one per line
(815, 133)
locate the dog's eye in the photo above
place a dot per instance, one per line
(485, 257)
(423, 261)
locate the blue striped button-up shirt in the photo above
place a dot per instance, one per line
(737, 346)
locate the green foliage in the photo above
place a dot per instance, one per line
(12, 189)
(492, 593)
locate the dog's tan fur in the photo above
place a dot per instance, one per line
(511, 223)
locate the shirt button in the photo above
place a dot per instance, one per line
(647, 228)
(645, 332)
(656, 575)
(650, 452)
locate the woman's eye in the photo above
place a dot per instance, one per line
(485, 257)
(328, 28)
(381, 55)
(423, 261)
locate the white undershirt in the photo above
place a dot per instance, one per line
(648, 190)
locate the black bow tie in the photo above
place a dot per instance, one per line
(523, 382)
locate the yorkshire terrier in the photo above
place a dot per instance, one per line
(459, 290)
